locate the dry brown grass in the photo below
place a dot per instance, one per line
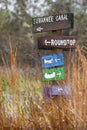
(35, 113)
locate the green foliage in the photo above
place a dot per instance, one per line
(6, 18)
(5, 85)
(1, 99)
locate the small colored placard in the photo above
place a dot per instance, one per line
(52, 60)
(53, 74)
(55, 90)
(58, 90)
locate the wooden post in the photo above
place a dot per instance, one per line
(59, 99)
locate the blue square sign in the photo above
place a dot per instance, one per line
(52, 60)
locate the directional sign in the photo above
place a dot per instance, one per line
(56, 90)
(52, 22)
(49, 42)
(52, 60)
(53, 74)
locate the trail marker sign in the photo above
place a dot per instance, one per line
(49, 42)
(52, 22)
(56, 90)
(53, 74)
(53, 60)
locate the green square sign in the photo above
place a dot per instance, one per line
(53, 74)
(59, 73)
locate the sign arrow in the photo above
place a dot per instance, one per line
(39, 29)
(56, 60)
(47, 42)
(59, 74)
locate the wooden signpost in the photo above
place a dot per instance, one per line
(53, 65)
(52, 22)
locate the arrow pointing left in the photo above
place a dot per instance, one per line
(39, 29)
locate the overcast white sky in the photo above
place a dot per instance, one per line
(29, 8)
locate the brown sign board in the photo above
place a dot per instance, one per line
(63, 42)
(52, 22)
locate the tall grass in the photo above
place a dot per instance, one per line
(26, 109)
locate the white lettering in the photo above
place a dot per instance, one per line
(65, 42)
(61, 17)
(74, 41)
(62, 42)
(52, 42)
(43, 20)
